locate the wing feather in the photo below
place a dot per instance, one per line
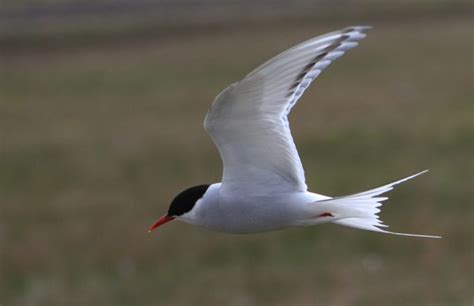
(248, 120)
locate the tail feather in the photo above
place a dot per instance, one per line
(360, 210)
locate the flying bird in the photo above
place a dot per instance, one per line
(263, 184)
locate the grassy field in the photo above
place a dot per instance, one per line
(96, 140)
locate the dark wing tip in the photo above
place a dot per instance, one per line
(350, 36)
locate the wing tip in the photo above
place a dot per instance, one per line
(361, 28)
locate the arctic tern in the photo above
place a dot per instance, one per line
(263, 185)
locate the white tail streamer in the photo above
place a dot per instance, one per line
(361, 210)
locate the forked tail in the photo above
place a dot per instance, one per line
(360, 210)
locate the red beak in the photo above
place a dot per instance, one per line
(161, 221)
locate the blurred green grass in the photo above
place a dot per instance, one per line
(96, 142)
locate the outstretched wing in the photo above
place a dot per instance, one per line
(248, 120)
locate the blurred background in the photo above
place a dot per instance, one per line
(101, 109)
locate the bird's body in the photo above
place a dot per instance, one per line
(263, 185)
(240, 213)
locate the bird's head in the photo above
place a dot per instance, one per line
(183, 203)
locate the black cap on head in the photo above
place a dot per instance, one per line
(186, 200)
